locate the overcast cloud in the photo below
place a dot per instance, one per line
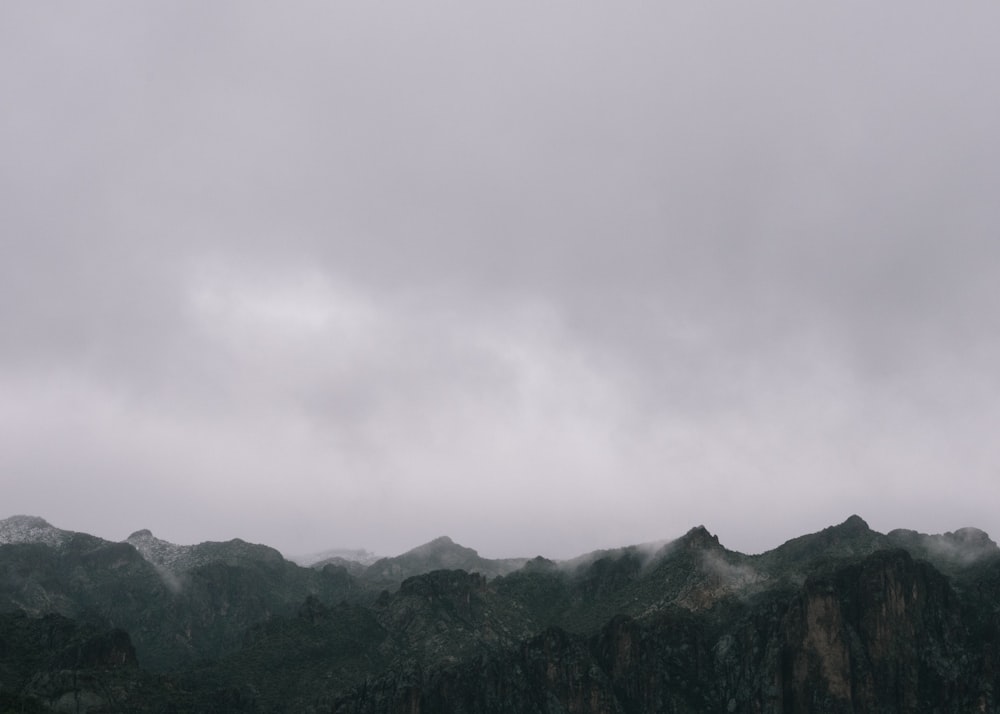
(544, 277)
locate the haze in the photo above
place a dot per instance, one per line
(544, 277)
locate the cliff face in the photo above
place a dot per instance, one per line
(55, 663)
(882, 635)
(885, 634)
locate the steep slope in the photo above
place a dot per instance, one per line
(179, 603)
(836, 621)
(850, 539)
(692, 572)
(434, 619)
(54, 663)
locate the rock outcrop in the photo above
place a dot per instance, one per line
(842, 620)
(885, 633)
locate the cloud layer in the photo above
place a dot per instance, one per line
(542, 278)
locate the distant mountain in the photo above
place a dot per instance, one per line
(359, 556)
(439, 554)
(843, 620)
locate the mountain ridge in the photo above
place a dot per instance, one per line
(684, 625)
(853, 536)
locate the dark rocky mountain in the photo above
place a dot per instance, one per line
(54, 662)
(843, 620)
(179, 604)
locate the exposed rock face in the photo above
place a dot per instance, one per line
(885, 634)
(53, 663)
(843, 620)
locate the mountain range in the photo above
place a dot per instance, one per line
(846, 619)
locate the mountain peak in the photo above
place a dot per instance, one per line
(442, 553)
(854, 524)
(27, 521)
(31, 529)
(441, 545)
(700, 537)
(851, 538)
(140, 535)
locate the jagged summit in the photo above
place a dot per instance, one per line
(849, 539)
(852, 537)
(700, 537)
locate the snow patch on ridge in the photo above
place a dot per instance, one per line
(31, 529)
(159, 552)
(166, 557)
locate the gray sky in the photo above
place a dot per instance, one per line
(544, 277)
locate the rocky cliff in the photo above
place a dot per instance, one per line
(842, 620)
(883, 634)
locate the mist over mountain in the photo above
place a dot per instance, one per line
(336, 274)
(340, 555)
(846, 619)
